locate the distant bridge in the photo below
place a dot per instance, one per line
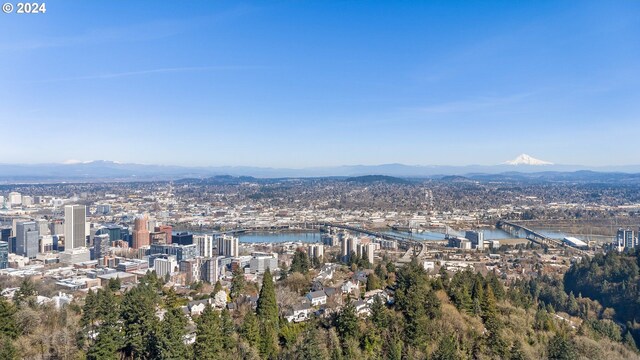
(534, 236)
(405, 242)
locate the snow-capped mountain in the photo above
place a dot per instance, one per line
(524, 159)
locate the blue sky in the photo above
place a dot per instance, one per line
(300, 84)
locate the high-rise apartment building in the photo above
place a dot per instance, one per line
(349, 245)
(210, 270)
(204, 243)
(315, 250)
(101, 244)
(625, 239)
(75, 228)
(228, 246)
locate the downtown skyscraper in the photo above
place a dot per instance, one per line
(75, 230)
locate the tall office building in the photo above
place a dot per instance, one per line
(4, 254)
(27, 239)
(205, 244)
(228, 246)
(75, 228)
(140, 232)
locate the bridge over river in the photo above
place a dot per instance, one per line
(534, 236)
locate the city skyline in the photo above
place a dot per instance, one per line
(299, 85)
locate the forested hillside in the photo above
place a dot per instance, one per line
(434, 316)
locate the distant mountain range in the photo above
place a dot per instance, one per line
(101, 170)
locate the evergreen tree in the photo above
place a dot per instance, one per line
(267, 313)
(372, 343)
(89, 310)
(560, 348)
(300, 262)
(209, 339)
(334, 346)
(310, 348)
(138, 310)
(26, 292)
(347, 322)
(114, 284)
(268, 344)
(107, 343)
(417, 301)
(267, 309)
(380, 271)
(391, 267)
(394, 348)
(237, 283)
(228, 330)
(495, 340)
(447, 349)
(168, 340)
(8, 325)
(107, 303)
(488, 306)
(171, 299)
(373, 282)
(250, 329)
(379, 316)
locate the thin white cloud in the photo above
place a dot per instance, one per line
(145, 31)
(476, 104)
(115, 75)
